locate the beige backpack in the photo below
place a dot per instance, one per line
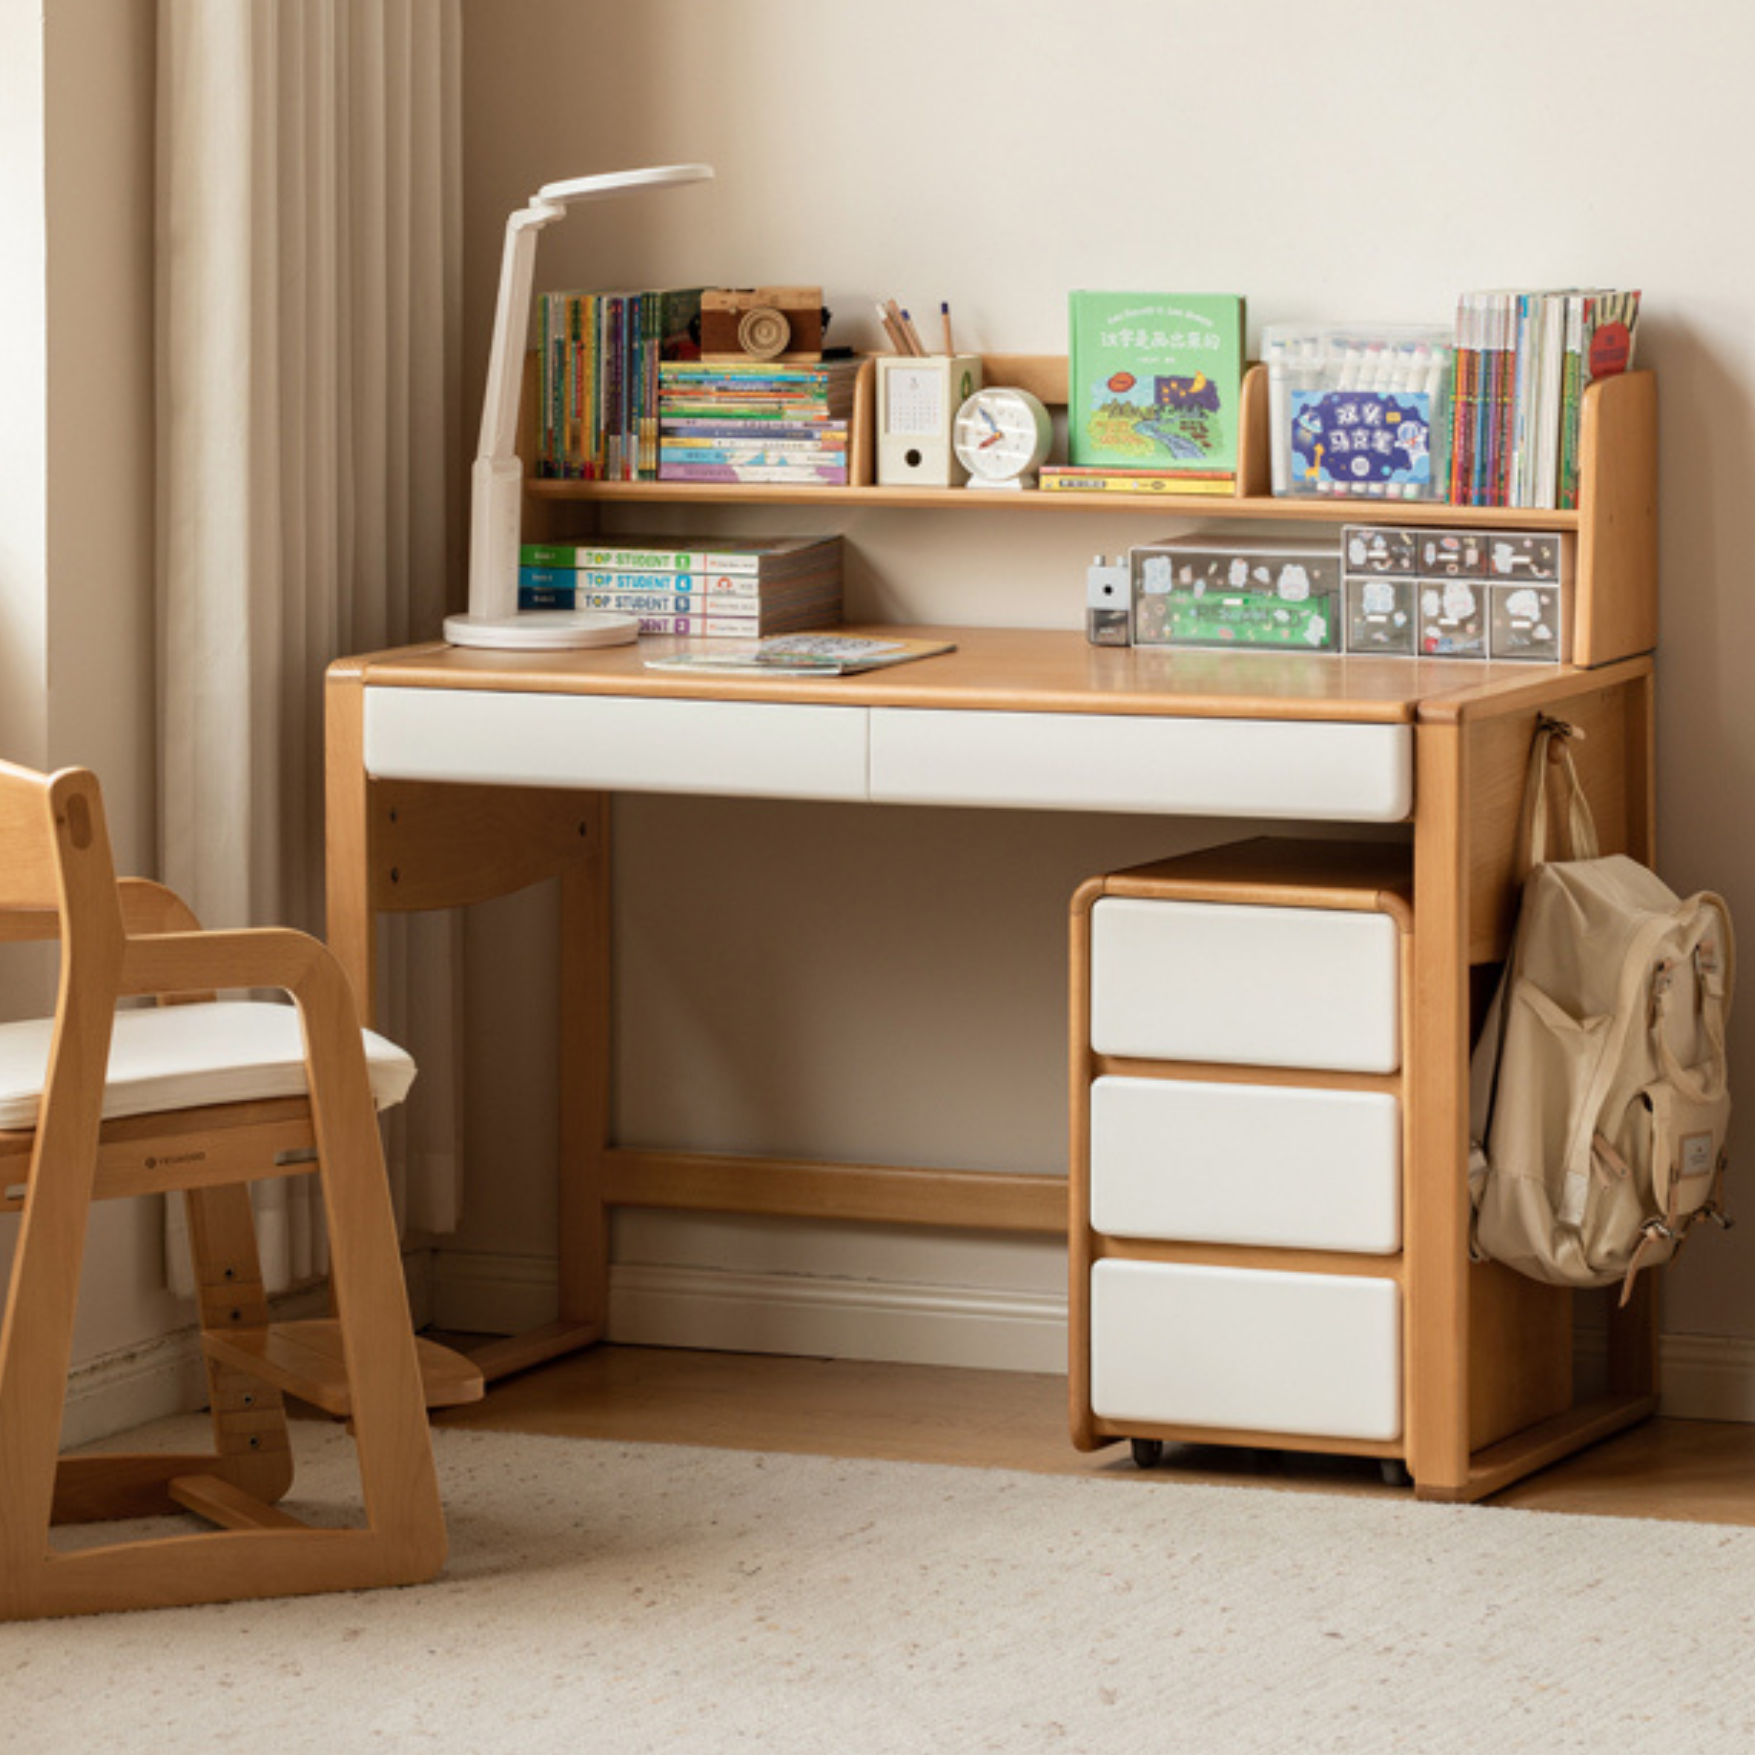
(1599, 1094)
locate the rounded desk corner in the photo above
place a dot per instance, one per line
(1088, 894)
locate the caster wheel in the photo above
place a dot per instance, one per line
(1147, 1452)
(1395, 1472)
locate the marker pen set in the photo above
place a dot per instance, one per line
(1358, 411)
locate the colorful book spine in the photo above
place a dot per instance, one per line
(826, 433)
(544, 597)
(780, 456)
(799, 475)
(1115, 481)
(1462, 401)
(650, 558)
(1572, 380)
(639, 602)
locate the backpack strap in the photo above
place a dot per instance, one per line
(1551, 747)
(1714, 977)
(1710, 1084)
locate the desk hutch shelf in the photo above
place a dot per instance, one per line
(1614, 525)
(457, 775)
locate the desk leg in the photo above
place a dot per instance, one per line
(1436, 1178)
(581, 1211)
(583, 1244)
(350, 923)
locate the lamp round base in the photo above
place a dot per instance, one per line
(543, 630)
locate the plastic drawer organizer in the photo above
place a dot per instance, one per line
(1238, 1125)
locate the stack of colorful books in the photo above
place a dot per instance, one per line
(1523, 362)
(599, 354)
(732, 586)
(755, 422)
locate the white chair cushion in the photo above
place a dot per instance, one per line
(187, 1056)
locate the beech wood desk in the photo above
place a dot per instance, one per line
(455, 776)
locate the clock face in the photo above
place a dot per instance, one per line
(1002, 434)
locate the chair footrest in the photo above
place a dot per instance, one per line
(228, 1506)
(305, 1359)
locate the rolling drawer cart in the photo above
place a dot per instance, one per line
(1244, 1103)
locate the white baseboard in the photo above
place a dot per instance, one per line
(837, 1318)
(119, 1390)
(740, 1312)
(1704, 1377)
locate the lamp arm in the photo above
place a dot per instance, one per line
(496, 483)
(499, 409)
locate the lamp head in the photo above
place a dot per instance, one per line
(620, 183)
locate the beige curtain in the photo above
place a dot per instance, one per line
(308, 301)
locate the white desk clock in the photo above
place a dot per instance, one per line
(496, 484)
(1002, 437)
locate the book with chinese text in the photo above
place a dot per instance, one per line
(1155, 380)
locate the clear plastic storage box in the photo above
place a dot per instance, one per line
(1359, 411)
(1237, 594)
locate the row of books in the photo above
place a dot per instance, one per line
(1523, 360)
(600, 354)
(755, 421)
(737, 587)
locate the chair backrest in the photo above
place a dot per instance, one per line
(57, 878)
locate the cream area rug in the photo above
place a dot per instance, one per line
(608, 1599)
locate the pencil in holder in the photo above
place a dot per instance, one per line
(1359, 412)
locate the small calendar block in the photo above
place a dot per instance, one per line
(917, 403)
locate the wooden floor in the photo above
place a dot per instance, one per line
(1691, 1470)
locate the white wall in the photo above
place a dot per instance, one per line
(1328, 163)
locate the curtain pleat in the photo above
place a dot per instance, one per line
(309, 270)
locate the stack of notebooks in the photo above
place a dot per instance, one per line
(599, 355)
(730, 586)
(784, 424)
(1523, 362)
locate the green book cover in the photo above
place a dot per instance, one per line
(1155, 380)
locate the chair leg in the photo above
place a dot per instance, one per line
(36, 1341)
(389, 1415)
(249, 1416)
(397, 1476)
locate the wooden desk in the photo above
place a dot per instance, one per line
(455, 776)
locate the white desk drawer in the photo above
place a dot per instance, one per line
(1134, 762)
(1317, 1355)
(1277, 1165)
(743, 748)
(1254, 986)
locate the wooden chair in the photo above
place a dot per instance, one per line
(203, 1097)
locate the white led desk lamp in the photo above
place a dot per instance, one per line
(496, 484)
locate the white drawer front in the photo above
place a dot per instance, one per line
(1277, 1165)
(1316, 1355)
(1122, 762)
(743, 748)
(1292, 987)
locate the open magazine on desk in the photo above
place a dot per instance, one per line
(819, 654)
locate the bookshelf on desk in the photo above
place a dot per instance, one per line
(455, 776)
